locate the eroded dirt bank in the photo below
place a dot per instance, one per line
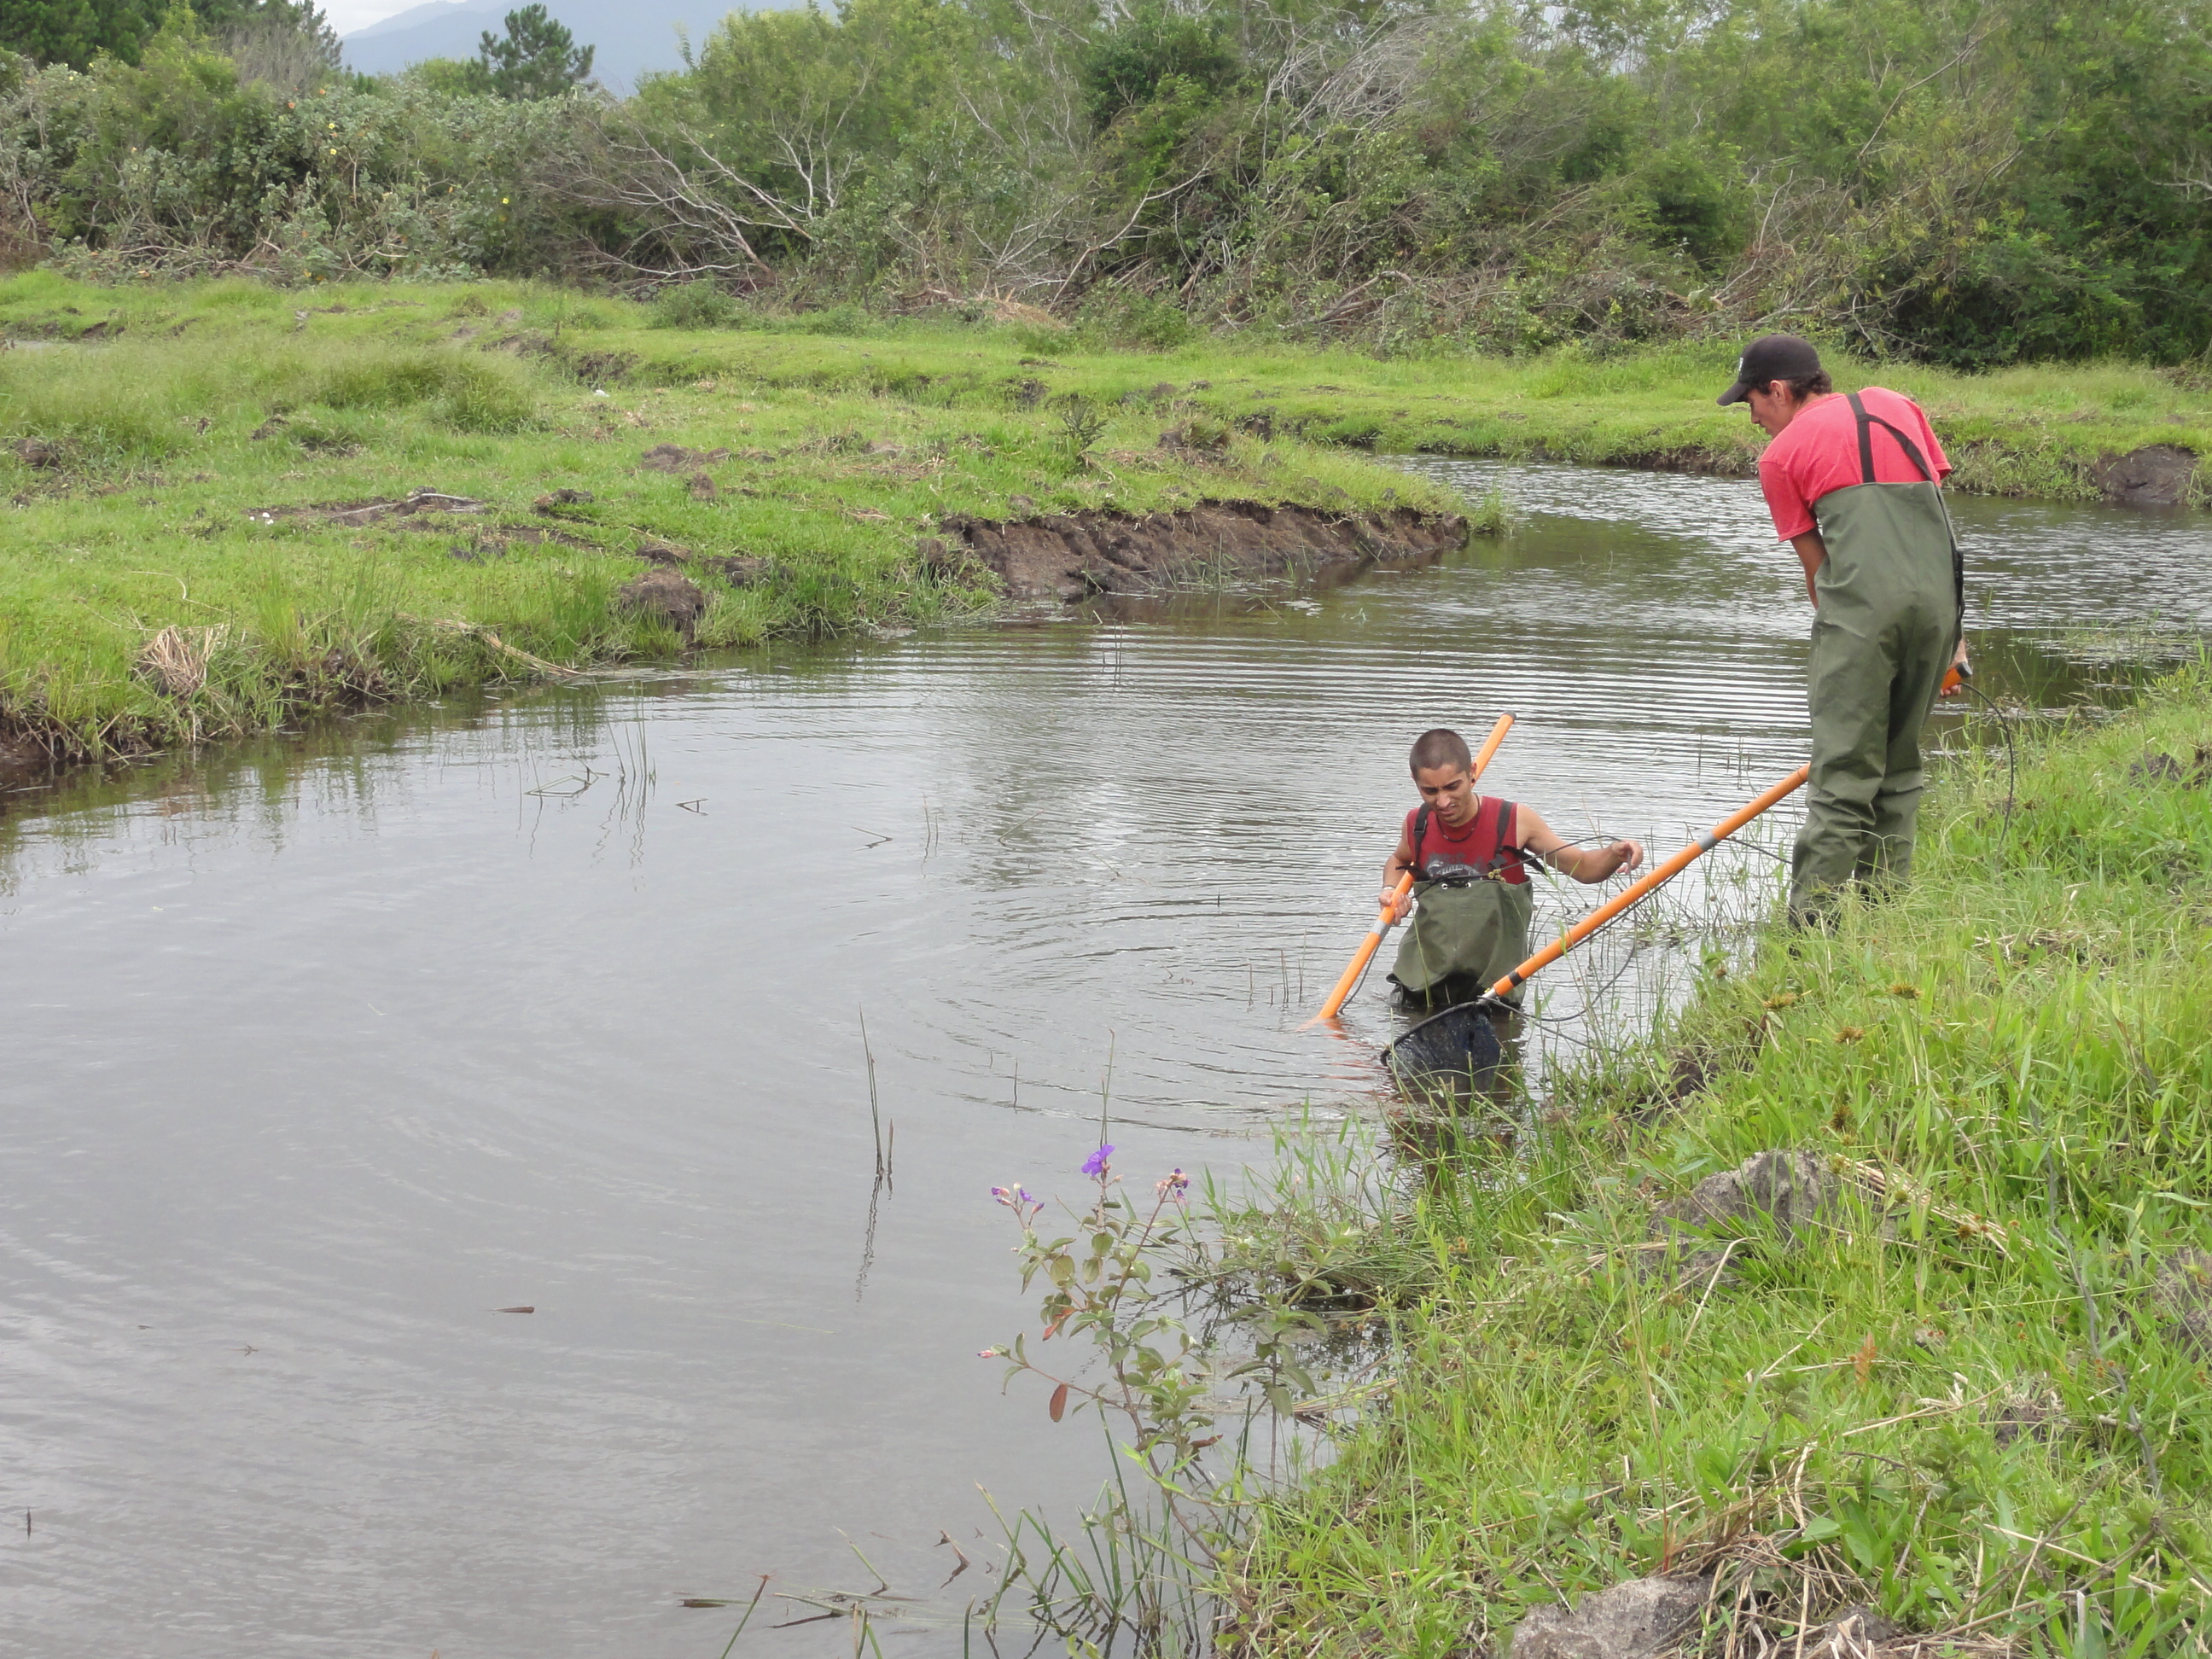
(1071, 556)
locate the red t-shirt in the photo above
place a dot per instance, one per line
(1818, 453)
(1472, 846)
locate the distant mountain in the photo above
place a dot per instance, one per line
(631, 36)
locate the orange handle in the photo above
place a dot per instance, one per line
(1641, 890)
(1388, 918)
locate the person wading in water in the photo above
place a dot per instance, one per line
(1854, 484)
(1470, 854)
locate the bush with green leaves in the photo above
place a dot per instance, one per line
(1974, 182)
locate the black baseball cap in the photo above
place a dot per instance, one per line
(1771, 357)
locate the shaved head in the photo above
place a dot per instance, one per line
(1440, 747)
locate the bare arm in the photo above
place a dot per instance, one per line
(1400, 862)
(1812, 553)
(1585, 864)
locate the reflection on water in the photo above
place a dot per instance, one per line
(325, 1049)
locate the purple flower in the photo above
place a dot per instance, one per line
(1096, 1163)
(1175, 1186)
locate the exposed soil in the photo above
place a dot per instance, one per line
(1071, 556)
(25, 758)
(674, 597)
(674, 458)
(739, 569)
(2157, 475)
(352, 513)
(497, 541)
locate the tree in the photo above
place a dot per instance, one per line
(71, 31)
(287, 45)
(539, 58)
(74, 32)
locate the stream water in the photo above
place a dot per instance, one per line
(324, 1048)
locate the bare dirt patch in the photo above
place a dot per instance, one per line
(2156, 475)
(675, 458)
(497, 541)
(1071, 557)
(739, 569)
(674, 597)
(370, 512)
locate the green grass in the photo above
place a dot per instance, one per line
(852, 435)
(1962, 1400)
(153, 445)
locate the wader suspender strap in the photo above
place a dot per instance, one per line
(1866, 423)
(1420, 832)
(1499, 833)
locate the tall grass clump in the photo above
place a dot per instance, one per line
(1956, 1380)
(80, 414)
(694, 305)
(469, 392)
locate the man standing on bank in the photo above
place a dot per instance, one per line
(1853, 484)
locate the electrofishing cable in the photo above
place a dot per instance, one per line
(2012, 759)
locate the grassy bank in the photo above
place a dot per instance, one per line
(1961, 1379)
(202, 463)
(144, 429)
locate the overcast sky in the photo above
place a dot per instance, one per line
(347, 15)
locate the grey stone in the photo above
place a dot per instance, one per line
(1797, 1191)
(1794, 1190)
(2034, 1410)
(1856, 1633)
(1629, 1621)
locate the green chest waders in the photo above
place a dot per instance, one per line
(1472, 924)
(1891, 602)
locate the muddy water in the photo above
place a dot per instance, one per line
(322, 1050)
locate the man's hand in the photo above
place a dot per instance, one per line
(1393, 906)
(1954, 681)
(1612, 860)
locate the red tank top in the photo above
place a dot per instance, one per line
(1482, 846)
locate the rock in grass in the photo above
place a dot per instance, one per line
(2183, 1293)
(741, 570)
(675, 600)
(1858, 1633)
(1629, 1621)
(1794, 1190)
(675, 458)
(2032, 1409)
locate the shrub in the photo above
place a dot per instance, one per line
(694, 305)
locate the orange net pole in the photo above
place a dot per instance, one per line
(1650, 884)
